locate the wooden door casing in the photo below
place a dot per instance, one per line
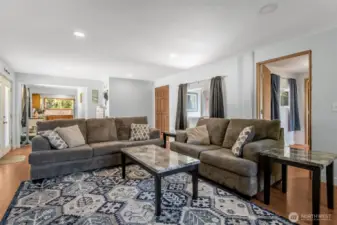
(266, 76)
(162, 108)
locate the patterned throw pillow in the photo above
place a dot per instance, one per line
(140, 132)
(246, 135)
(54, 139)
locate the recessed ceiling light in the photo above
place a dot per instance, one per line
(173, 55)
(79, 34)
(269, 8)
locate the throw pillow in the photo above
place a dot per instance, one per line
(140, 132)
(71, 135)
(198, 135)
(54, 139)
(246, 135)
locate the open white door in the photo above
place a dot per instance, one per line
(5, 116)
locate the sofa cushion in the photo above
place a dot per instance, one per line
(154, 133)
(52, 156)
(198, 135)
(140, 132)
(216, 128)
(71, 135)
(54, 139)
(158, 141)
(40, 143)
(181, 136)
(52, 124)
(190, 149)
(264, 129)
(106, 148)
(123, 126)
(246, 136)
(225, 159)
(101, 130)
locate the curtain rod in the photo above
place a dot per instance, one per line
(198, 81)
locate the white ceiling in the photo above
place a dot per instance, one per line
(299, 64)
(137, 36)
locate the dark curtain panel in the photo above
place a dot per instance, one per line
(216, 106)
(181, 116)
(275, 97)
(294, 117)
(23, 107)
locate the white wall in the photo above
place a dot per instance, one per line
(128, 97)
(234, 68)
(31, 79)
(241, 82)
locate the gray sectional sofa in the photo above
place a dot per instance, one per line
(103, 137)
(218, 163)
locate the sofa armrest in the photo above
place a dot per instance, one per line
(181, 136)
(154, 133)
(251, 151)
(40, 143)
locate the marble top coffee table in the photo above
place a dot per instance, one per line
(161, 162)
(310, 160)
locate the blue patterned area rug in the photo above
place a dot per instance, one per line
(102, 197)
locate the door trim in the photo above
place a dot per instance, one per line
(259, 88)
(5, 81)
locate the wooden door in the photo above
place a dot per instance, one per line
(162, 108)
(266, 88)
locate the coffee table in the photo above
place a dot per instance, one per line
(161, 162)
(310, 160)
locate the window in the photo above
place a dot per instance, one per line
(192, 102)
(197, 102)
(284, 92)
(58, 103)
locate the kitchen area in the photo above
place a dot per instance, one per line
(46, 103)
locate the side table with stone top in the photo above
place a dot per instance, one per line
(310, 160)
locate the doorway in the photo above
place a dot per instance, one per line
(162, 108)
(5, 116)
(284, 92)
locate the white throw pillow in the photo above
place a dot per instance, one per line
(71, 135)
(54, 139)
(198, 135)
(246, 135)
(140, 132)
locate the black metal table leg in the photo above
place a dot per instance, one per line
(123, 165)
(284, 178)
(164, 137)
(316, 185)
(267, 173)
(157, 184)
(329, 185)
(195, 183)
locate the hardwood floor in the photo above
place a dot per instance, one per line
(11, 175)
(297, 199)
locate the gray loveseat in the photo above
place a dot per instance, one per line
(218, 163)
(103, 137)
